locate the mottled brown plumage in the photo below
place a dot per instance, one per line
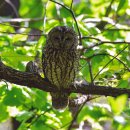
(60, 62)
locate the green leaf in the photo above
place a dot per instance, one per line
(3, 89)
(123, 84)
(34, 106)
(121, 4)
(10, 55)
(64, 116)
(28, 8)
(118, 104)
(126, 76)
(52, 120)
(53, 13)
(14, 97)
(3, 112)
(40, 99)
(64, 13)
(93, 112)
(39, 125)
(126, 127)
(18, 38)
(24, 115)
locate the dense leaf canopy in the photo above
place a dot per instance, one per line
(104, 38)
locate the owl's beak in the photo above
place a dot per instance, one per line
(62, 45)
(62, 42)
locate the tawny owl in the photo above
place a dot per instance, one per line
(60, 62)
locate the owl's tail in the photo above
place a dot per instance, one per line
(60, 100)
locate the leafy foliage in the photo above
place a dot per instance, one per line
(104, 27)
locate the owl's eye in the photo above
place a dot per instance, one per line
(68, 39)
(56, 38)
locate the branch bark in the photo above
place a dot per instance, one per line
(34, 80)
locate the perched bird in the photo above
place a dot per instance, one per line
(35, 65)
(60, 62)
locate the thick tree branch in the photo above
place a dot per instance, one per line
(23, 78)
(35, 80)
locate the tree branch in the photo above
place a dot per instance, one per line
(102, 24)
(105, 54)
(108, 10)
(34, 80)
(100, 42)
(24, 78)
(4, 20)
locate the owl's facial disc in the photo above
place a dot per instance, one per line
(62, 37)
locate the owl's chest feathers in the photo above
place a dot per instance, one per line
(61, 57)
(61, 67)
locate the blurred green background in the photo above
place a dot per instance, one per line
(106, 20)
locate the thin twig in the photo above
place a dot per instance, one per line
(111, 56)
(118, 42)
(90, 37)
(109, 62)
(73, 15)
(109, 8)
(102, 24)
(44, 18)
(76, 115)
(37, 116)
(79, 110)
(19, 20)
(90, 71)
(5, 83)
(101, 42)
(117, 29)
(71, 5)
(102, 31)
(23, 33)
(15, 26)
(13, 7)
(107, 55)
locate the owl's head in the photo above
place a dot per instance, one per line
(62, 37)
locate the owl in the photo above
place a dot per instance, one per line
(60, 62)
